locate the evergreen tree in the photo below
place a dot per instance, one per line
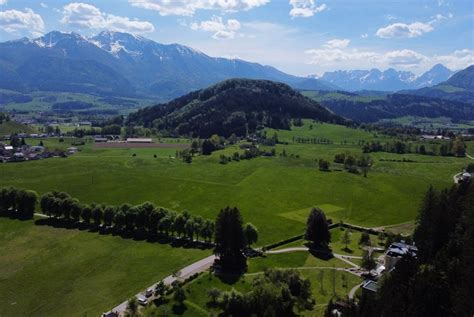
(317, 228)
(230, 239)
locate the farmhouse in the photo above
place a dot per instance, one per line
(139, 140)
(396, 251)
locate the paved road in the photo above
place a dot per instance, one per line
(353, 290)
(196, 267)
(292, 249)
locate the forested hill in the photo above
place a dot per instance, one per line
(398, 105)
(237, 106)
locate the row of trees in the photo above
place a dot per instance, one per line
(454, 147)
(143, 218)
(354, 164)
(312, 140)
(19, 201)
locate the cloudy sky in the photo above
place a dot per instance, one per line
(300, 37)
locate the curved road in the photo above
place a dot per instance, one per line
(196, 267)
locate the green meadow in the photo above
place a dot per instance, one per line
(333, 284)
(274, 193)
(47, 271)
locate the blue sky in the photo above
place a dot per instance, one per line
(300, 37)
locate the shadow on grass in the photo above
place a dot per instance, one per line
(347, 250)
(320, 252)
(136, 235)
(179, 308)
(229, 278)
(15, 215)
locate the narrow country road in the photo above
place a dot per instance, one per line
(196, 267)
(353, 290)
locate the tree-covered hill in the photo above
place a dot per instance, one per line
(399, 105)
(237, 106)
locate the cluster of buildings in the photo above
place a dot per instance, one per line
(9, 154)
(392, 255)
(7, 137)
(117, 138)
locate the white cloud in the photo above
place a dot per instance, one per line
(220, 28)
(403, 58)
(43, 5)
(305, 8)
(459, 59)
(3, 2)
(83, 15)
(14, 21)
(404, 30)
(364, 36)
(336, 53)
(415, 29)
(337, 43)
(189, 7)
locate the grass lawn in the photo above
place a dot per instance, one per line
(275, 194)
(11, 127)
(60, 272)
(353, 247)
(196, 291)
(46, 271)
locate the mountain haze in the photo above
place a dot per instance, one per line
(460, 87)
(388, 80)
(113, 63)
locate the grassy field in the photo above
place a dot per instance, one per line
(196, 291)
(42, 101)
(57, 271)
(11, 127)
(275, 194)
(46, 271)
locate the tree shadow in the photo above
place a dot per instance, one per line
(348, 250)
(179, 308)
(229, 278)
(15, 216)
(320, 252)
(136, 235)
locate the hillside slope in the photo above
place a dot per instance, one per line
(373, 109)
(237, 106)
(460, 87)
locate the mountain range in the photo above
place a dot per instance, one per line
(388, 80)
(459, 87)
(114, 63)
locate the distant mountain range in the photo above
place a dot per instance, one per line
(388, 80)
(123, 64)
(460, 87)
(453, 98)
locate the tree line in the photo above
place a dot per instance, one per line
(312, 140)
(20, 202)
(454, 147)
(145, 217)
